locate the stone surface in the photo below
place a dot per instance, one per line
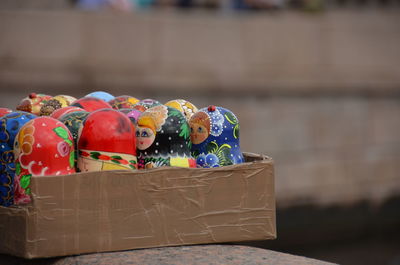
(205, 254)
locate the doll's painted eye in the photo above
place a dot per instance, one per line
(191, 129)
(200, 129)
(145, 134)
(137, 133)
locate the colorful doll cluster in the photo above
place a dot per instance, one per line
(62, 135)
(44, 105)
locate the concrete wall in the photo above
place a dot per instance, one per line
(318, 93)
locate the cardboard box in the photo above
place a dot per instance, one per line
(120, 210)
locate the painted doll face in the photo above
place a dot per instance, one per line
(198, 133)
(144, 138)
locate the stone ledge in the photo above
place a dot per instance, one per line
(204, 254)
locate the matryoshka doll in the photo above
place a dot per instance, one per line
(123, 102)
(55, 103)
(43, 147)
(163, 138)
(9, 127)
(132, 114)
(91, 104)
(106, 141)
(184, 106)
(60, 112)
(101, 95)
(73, 122)
(4, 111)
(215, 137)
(146, 104)
(33, 103)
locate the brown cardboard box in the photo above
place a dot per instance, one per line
(119, 210)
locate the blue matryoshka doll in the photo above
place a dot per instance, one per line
(215, 137)
(10, 125)
(101, 95)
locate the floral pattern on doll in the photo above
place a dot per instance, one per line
(163, 138)
(216, 155)
(42, 147)
(184, 106)
(215, 137)
(217, 121)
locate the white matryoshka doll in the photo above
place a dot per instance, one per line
(163, 138)
(184, 106)
(106, 141)
(215, 137)
(42, 147)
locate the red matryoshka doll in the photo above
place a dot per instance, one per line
(33, 103)
(91, 104)
(106, 141)
(55, 103)
(184, 106)
(215, 137)
(123, 102)
(163, 138)
(42, 147)
(4, 111)
(60, 112)
(132, 114)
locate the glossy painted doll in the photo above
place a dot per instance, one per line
(106, 141)
(4, 111)
(145, 104)
(215, 137)
(184, 106)
(60, 112)
(33, 103)
(73, 121)
(101, 95)
(123, 102)
(91, 104)
(10, 125)
(132, 114)
(55, 103)
(43, 147)
(163, 138)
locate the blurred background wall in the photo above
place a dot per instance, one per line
(317, 89)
